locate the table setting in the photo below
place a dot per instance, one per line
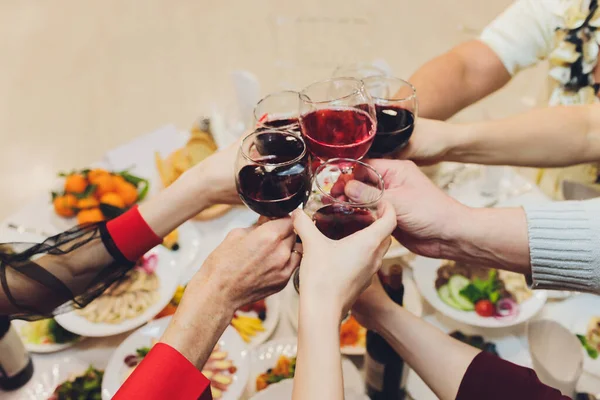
(292, 159)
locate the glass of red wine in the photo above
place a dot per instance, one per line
(337, 119)
(279, 110)
(272, 172)
(396, 109)
(335, 214)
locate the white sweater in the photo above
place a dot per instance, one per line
(564, 244)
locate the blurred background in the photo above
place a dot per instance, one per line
(79, 78)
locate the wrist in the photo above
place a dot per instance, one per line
(459, 143)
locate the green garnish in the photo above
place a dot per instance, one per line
(592, 352)
(480, 289)
(143, 351)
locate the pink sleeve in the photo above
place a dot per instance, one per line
(165, 374)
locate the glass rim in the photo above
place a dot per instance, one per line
(305, 98)
(360, 65)
(351, 160)
(278, 131)
(388, 77)
(280, 92)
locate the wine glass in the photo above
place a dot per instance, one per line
(272, 172)
(279, 110)
(359, 70)
(334, 214)
(396, 110)
(337, 119)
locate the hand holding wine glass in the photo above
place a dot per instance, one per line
(337, 271)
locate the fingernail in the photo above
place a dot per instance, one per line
(353, 190)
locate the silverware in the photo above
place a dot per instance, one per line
(23, 229)
(578, 191)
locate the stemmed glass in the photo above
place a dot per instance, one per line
(334, 213)
(337, 119)
(396, 109)
(279, 110)
(272, 172)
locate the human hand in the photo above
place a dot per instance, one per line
(426, 216)
(371, 304)
(334, 272)
(251, 264)
(430, 143)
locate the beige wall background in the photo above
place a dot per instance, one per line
(78, 78)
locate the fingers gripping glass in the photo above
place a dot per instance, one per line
(345, 197)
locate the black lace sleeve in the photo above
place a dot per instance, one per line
(64, 272)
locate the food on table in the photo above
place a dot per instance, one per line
(96, 195)
(250, 323)
(200, 146)
(170, 241)
(87, 386)
(352, 333)
(488, 292)
(284, 369)
(46, 331)
(127, 298)
(173, 304)
(475, 341)
(591, 340)
(219, 369)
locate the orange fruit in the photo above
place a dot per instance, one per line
(75, 183)
(127, 191)
(113, 199)
(88, 202)
(104, 184)
(65, 205)
(89, 216)
(95, 173)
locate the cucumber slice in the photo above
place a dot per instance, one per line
(444, 293)
(458, 283)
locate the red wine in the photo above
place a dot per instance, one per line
(333, 133)
(289, 124)
(394, 128)
(271, 190)
(385, 370)
(336, 221)
(16, 367)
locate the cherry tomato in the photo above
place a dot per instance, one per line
(485, 308)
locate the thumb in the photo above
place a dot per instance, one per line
(304, 227)
(360, 192)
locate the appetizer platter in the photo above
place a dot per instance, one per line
(476, 296)
(227, 367)
(45, 336)
(129, 303)
(352, 334)
(95, 194)
(273, 362)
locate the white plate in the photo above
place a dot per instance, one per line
(283, 390)
(577, 312)
(44, 347)
(116, 371)
(270, 322)
(425, 272)
(189, 245)
(412, 302)
(168, 272)
(509, 347)
(266, 356)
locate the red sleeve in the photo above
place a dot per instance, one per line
(165, 374)
(491, 378)
(132, 235)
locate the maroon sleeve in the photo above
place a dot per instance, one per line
(491, 378)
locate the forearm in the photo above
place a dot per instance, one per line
(546, 137)
(489, 237)
(200, 320)
(457, 79)
(423, 346)
(318, 352)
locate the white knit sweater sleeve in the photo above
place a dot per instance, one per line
(564, 245)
